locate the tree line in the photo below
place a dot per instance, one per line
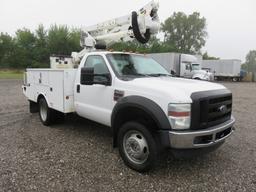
(33, 49)
(250, 62)
(181, 33)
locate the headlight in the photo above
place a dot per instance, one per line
(179, 116)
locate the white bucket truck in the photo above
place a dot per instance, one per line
(147, 109)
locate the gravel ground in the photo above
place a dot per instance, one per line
(78, 156)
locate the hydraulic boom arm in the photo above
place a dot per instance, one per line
(139, 25)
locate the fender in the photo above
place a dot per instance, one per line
(150, 108)
(145, 104)
(199, 76)
(44, 96)
(202, 76)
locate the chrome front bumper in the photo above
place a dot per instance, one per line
(201, 138)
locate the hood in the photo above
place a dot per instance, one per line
(202, 74)
(200, 71)
(178, 89)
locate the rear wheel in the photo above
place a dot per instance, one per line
(137, 146)
(46, 114)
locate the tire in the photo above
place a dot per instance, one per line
(197, 78)
(134, 136)
(235, 79)
(46, 114)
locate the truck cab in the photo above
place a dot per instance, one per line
(189, 64)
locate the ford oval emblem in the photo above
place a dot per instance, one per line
(223, 109)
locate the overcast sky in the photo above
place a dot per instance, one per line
(231, 24)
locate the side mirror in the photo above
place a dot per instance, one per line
(87, 76)
(173, 73)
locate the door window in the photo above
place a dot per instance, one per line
(188, 67)
(100, 68)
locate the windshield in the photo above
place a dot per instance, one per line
(195, 66)
(135, 65)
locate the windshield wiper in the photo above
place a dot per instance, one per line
(159, 75)
(136, 75)
(148, 75)
(143, 75)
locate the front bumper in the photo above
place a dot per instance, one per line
(201, 138)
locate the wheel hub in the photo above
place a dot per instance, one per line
(136, 147)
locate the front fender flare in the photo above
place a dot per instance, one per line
(145, 104)
(152, 109)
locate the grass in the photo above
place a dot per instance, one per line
(11, 74)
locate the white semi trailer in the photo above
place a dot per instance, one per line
(148, 110)
(182, 65)
(224, 69)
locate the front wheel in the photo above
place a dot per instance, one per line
(137, 146)
(235, 79)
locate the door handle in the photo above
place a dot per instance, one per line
(78, 88)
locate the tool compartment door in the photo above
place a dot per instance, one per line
(56, 90)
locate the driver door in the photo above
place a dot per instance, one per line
(188, 73)
(95, 102)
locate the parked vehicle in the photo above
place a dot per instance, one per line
(147, 109)
(224, 69)
(182, 65)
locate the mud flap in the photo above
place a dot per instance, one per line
(33, 107)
